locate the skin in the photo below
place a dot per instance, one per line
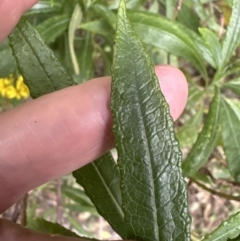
(55, 134)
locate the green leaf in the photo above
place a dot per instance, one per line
(205, 15)
(154, 198)
(187, 134)
(228, 229)
(74, 22)
(170, 8)
(7, 61)
(43, 226)
(213, 44)
(41, 70)
(76, 225)
(230, 120)
(232, 38)
(106, 13)
(101, 182)
(206, 140)
(44, 7)
(85, 58)
(77, 196)
(53, 27)
(188, 17)
(234, 85)
(175, 38)
(98, 26)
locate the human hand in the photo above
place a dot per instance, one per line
(60, 132)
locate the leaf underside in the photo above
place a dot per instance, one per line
(153, 189)
(101, 182)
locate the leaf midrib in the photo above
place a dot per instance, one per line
(109, 191)
(148, 144)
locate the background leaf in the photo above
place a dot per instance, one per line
(232, 38)
(234, 85)
(230, 119)
(153, 189)
(73, 25)
(229, 229)
(44, 226)
(85, 59)
(7, 61)
(213, 44)
(175, 38)
(206, 140)
(41, 70)
(53, 27)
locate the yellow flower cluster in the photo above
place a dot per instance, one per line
(10, 90)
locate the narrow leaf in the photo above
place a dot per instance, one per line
(44, 7)
(170, 8)
(228, 229)
(43, 226)
(98, 26)
(234, 85)
(7, 61)
(85, 58)
(53, 27)
(188, 17)
(101, 182)
(153, 189)
(187, 134)
(106, 13)
(206, 140)
(175, 38)
(232, 38)
(213, 44)
(74, 22)
(230, 120)
(41, 70)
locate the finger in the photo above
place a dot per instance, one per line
(60, 132)
(10, 231)
(10, 13)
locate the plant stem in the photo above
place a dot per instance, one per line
(216, 193)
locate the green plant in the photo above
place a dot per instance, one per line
(88, 28)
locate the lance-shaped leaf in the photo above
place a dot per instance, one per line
(213, 44)
(105, 13)
(101, 182)
(234, 85)
(53, 27)
(175, 38)
(43, 226)
(85, 59)
(230, 119)
(75, 21)
(7, 62)
(154, 198)
(206, 140)
(41, 70)
(227, 230)
(232, 38)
